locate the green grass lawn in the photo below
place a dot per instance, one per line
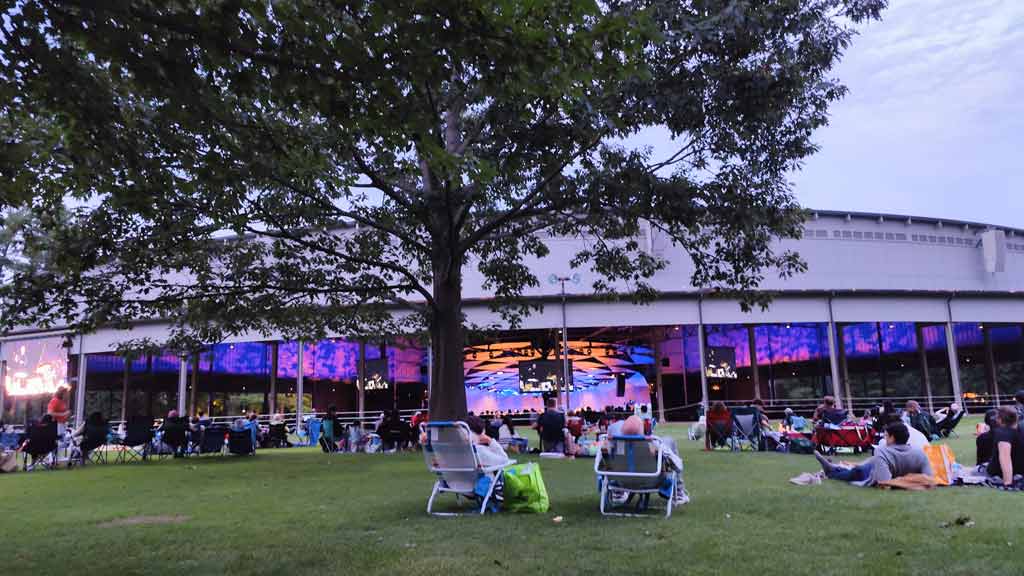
(302, 512)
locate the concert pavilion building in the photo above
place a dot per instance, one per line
(891, 307)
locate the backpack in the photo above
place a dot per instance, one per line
(800, 445)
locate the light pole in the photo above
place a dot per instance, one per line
(566, 375)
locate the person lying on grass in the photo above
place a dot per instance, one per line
(893, 460)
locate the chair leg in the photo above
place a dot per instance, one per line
(433, 494)
(604, 495)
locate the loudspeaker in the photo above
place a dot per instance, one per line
(620, 384)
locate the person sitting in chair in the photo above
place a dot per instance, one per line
(827, 413)
(893, 460)
(488, 451)
(328, 428)
(549, 427)
(507, 433)
(634, 426)
(921, 420)
(91, 434)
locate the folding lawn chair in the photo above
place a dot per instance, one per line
(719, 430)
(42, 447)
(240, 443)
(747, 427)
(94, 437)
(947, 427)
(632, 466)
(175, 436)
(278, 436)
(138, 439)
(450, 455)
(213, 440)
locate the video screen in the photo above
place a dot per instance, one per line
(541, 375)
(721, 362)
(34, 367)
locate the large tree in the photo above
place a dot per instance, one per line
(313, 167)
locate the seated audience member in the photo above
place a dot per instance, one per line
(507, 433)
(634, 426)
(328, 439)
(1007, 448)
(787, 419)
(1019, 407)
(983, 443)
(921, 420)
(887, 414)
(766, 424)
(37, 452)
(550, 427)
(203, 420)
(896, 458)
(488, 451)
(827, 413)
(91, 434)
(277, 419)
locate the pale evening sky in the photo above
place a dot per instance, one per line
(933, 124)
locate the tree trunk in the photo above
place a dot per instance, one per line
(448, 390)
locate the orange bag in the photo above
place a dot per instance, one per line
(941, 458)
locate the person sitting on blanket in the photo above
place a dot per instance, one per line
(488, 451)
(983, 443)
(1008, 448)
(893, 460)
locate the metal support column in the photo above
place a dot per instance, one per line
(755, 372)
(361, 381)
(299, 392)
(657, 375)
(922, 355)
(273, 378)
(182, 383)
(195, 385)
(833, 357)
(3, 382)
(79, 388)
(991, 377)
(954, 359)
(703, 357)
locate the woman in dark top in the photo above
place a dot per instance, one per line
(1008, 448)
(983, 444)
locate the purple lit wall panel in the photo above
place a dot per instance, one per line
(112, 363)
(779, 344)
(338, 360)
(166, 363)
(244, 358)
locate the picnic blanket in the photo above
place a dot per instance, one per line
(914, 482)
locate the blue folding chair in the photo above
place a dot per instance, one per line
(628, 466)
(449, 454)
